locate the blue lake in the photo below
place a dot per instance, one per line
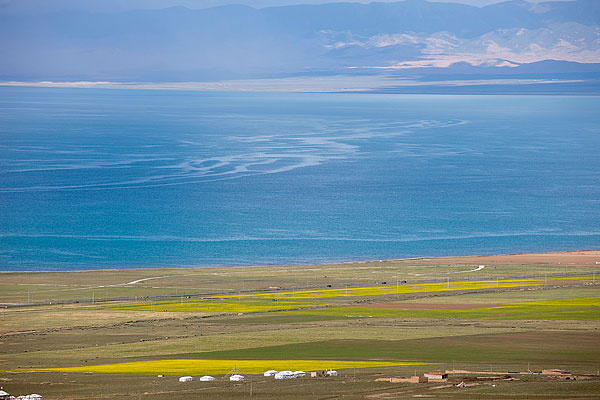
(95, 178)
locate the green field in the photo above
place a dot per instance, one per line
(367, 325)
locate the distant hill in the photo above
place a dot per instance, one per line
(179, 44)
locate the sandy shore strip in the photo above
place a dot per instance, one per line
(574, 258)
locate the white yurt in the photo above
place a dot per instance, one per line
(270, 372)
(207, 378)
(185, 379)
(299, 374)
(285, 375)
(237, 378)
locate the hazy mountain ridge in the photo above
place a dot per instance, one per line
(229, 41)
(510, 47)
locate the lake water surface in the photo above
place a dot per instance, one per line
(95, 178)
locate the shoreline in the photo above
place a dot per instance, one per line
(584, 256)
(382, 84)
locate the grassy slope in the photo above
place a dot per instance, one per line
(546, 347)
(64, 336)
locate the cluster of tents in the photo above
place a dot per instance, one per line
(270, 373)
(285, 374)
(5, 396)
(205, 378)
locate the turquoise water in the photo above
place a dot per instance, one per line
(93, 178)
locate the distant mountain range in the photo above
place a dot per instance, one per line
(181, 44)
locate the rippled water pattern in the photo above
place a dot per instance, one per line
(130, 178)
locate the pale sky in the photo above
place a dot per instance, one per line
(41, 6)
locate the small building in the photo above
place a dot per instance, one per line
(237, 378)
(436, 376)
(270, 372)
(412, 379)
(555, 372)
(323, 374)
(4, 395)
(207, 378)
(300, 374)
(185, 379)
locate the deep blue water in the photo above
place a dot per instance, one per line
(94, 178)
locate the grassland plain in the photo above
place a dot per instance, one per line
(23, 287)
(256, 318)
(587, 309)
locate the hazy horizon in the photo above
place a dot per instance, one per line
(179, 44)
(43, 6)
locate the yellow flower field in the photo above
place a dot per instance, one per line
(219, 306)
(297, 299)
(392, 289)
(202, 367)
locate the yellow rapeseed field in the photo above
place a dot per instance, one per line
(202, 367)
(243, 305)
(300, 299)
(393, 289)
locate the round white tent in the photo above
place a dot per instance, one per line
(285, 375)
(237, 378)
